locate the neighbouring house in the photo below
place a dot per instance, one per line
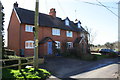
(53, 32)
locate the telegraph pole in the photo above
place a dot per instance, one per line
(119, 23)
(36, 23)
(119, 35)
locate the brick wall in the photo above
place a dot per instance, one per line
(44, 32)
(13, 33)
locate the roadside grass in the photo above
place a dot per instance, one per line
(90, 57)
(110, 55)
(25, 74)
(99, 57)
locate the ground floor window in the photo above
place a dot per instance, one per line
(57, 44)
(69, 44)
(29, 44)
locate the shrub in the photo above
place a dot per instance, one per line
(73, 52)
(94, 58)
(26, 73)
(65, 54)
(86, 57)
(58, 52)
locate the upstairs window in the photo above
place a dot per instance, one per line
(69, 45)
(79, 25)
(57, 44)
(69, 33)
(29, 28)
(67, 22)
(29, 44)
(55, 31)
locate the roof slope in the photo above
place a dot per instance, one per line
(27, 17)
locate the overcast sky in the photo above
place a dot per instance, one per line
(102, 22)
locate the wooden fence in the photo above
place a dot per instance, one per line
(29, 61)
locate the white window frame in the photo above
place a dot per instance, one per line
(67, 22)
(71, 45)
(69, 33)
(82, 35)
(29, 28)
(79, 25)
(58, 45)
(28, 46)
(55, 31)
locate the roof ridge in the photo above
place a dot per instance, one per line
(34, 11)
(27, 17)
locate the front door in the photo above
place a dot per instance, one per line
(49, 47)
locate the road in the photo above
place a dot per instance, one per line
(110, 71)
(74, 68)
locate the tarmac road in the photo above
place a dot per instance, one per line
(110, 71)
(73, 68)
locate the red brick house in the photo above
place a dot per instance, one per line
(53, 31)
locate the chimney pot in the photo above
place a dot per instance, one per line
(52, 12)
(15, 4)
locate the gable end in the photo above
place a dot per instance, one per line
(17, 16)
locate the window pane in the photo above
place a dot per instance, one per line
(69, 45)
(26, 44)
(55, 31)
(66, 22)
(57, 44)
(69, 33)
(26, 28)
(29, 28)
(29, 44)
(78, 25)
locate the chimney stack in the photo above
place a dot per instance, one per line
(15, 4)
(52, 12)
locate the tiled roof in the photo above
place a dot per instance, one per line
(27, 17)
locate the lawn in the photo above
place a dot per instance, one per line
(101, 56)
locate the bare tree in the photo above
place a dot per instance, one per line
(91, 36)
(109, 45)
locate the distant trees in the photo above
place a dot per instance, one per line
(109, 45)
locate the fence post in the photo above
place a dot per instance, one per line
(19, 62)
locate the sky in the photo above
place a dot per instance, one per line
(102, 23)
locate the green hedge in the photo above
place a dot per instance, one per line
(112, 55)
(24, 74)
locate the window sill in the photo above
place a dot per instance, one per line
(28, 31)
(29, 48)
(69, 37)
(56, 35)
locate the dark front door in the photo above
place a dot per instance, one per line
(49, 47)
